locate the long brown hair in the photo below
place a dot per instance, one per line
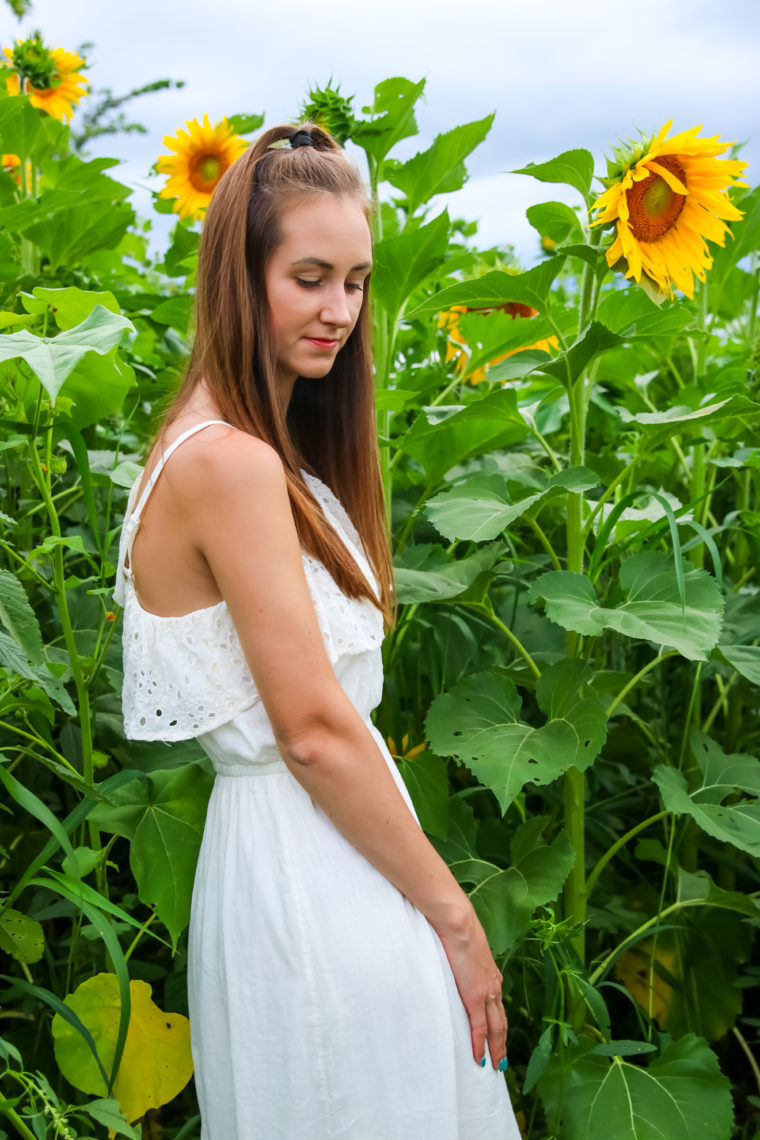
(329, 428)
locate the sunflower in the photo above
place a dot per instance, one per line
(456, 344)
(669, 197)
(202, 153)
(50, 76)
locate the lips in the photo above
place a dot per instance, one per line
(321, 342)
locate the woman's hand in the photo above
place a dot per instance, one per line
(479, 983)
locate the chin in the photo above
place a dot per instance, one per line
(317, 371)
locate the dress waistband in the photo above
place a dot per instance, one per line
(261, 768)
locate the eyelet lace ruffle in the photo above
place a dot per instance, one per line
(186, 675)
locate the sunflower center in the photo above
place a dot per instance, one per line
(205, 172)
(654, 208)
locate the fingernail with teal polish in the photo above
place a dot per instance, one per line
(482, 1062)
(503, 1065)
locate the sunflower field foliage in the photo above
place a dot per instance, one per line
(571, 455)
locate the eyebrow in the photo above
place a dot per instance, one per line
(326, 264)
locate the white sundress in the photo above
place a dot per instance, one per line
(322, 1003)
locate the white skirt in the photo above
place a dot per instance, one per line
(322, 1003)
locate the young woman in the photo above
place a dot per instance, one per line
(340, 984)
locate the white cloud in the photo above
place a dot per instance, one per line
(559, 74)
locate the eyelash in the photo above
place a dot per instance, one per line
(352, 285)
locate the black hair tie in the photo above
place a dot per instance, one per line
(301, 138)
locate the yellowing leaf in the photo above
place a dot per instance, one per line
(647, 984)
(156, 1064)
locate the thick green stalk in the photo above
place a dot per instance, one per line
(18, 1124)
(380, 343)
(574, 780)
(83, 696)
(575, 897)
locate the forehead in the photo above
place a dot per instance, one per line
(325, 224)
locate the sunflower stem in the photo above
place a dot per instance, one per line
(755, 268)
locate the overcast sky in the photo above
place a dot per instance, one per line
(558, 73)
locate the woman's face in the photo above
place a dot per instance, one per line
(315, 284)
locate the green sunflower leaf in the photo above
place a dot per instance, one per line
(163, 817)
(20, 936)
(393, 117)
(426, 777)
(69, 306)
(744, 658)
(480, 508)
(243, 124)
(682, 1094)
(505, 899)
(737, 823)
(53, 359)
(18, 617)
(651, 608)
(573, 167)
(497, 288)
(478, 722)
(443, 436)
(401, 263)
(426, 573)
(440, 169)
(555, 220)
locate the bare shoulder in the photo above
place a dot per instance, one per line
(228, 469)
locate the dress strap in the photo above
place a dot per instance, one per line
(164, 456)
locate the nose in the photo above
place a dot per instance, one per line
(335, 310)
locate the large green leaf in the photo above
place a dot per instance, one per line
(18, 617)
(15, 660)
(401, 263)
(481, 507)
(573, 167)
(497, 288)
(427, 573)
(20, 128)
(98, 386)
(555, 220)
(660, 426)
(393, 117)
(69, 306)
(479, 723)
(632, 313)
(442, 437)
(681, 1095)
(53, 359)
(73, 233)
(426, 777)
(163, 817)
(565, 366)
(651, 609)
(737, 823)
(21, 936)
(440, 169)
(505, 899)
(744, 658)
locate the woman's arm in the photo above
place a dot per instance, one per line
(239, 517)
